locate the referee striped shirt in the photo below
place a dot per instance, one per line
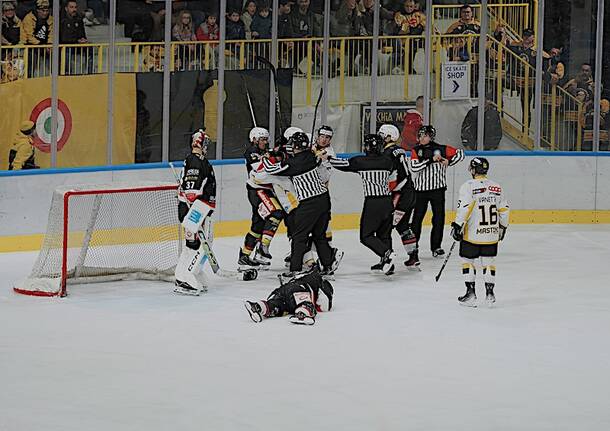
(430, 175)
(303, 172)
(308, 185)
(373, 170)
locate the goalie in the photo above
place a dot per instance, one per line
(197, 200)
(302, 298)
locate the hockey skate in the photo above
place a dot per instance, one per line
(439, 253)
(469, 299)
(303, 315)
(490, 298)
(387, 267)
(413, 262)
(245, 262)
(329, 272)
(183, 288)
(255, 310)
(262, 257)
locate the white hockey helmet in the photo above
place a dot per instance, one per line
(200, 139)
(258, 133)
(389, 130)
(291, 131)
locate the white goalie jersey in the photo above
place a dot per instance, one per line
(481, 209)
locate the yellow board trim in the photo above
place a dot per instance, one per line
(339, 222)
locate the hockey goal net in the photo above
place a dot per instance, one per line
(98, 233)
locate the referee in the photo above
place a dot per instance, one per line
(429, 161)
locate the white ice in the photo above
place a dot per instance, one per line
(394, 354)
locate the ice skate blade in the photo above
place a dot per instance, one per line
(490, 303)
(255, 316)
(244, 268)
(471, 304)
(187, 292)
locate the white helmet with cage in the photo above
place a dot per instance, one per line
(389, 131)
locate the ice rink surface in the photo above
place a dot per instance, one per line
(394, 354)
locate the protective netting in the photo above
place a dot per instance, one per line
(114, 232)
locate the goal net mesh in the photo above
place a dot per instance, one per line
(111, 232)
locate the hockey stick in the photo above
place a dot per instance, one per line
(243, 80)
(438, 276)
(247, 275)
(278, 108)
(315, 114)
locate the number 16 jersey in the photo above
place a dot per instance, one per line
(481, 209)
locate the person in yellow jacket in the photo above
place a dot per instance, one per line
(37, 26)
(21, 155)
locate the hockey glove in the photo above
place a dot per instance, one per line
(502, 232)
(456, 232)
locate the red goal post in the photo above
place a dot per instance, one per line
(107, 232)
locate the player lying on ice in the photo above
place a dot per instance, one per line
(302, 298)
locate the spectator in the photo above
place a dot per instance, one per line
(22, 154)
(409, 20)
(248, 16)
(11, 68)
(11, 25)
(24, 7)
(153, 58)
(582, 81)
(304, 22)
(466, 24)
(183, 31)
(37, 26)
(347, 21)
(96, 12)
(137, 19)
(261, 23)
(209, 30)
(414, 119)
(367, 10)
(493, 128)
(236, 30)
(525, 50)
(604, 127)
(284, 28)
(72, 31)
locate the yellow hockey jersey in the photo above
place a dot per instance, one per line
(482, 209)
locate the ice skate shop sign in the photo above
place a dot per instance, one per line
(455, 83)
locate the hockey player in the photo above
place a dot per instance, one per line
(376, 219)
(267, 212)
(313, 213)
(302, 297)
(403, 192)
(197, 201)
(480, 223)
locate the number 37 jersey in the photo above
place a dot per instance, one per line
(482, 208)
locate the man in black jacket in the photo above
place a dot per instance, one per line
(312, 216)
(79, 60)
(493, 128)
(376, 218)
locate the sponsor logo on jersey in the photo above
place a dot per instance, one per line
(194, 172)
(495, 189)
(479, 191)
(194, 216)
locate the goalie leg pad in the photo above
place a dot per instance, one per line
(188, 269)
(196, 216)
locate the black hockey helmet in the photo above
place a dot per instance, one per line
(373, 144)
(298, 141)
(478, 166)
(426, 130)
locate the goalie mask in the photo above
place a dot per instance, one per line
(389, 133)
(200, 141)
(324, 301)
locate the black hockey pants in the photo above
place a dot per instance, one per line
(311, 217)
(376, 224)
(436, 198)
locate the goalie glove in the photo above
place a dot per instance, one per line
(456, 232)
(502, 232)
(196, 216)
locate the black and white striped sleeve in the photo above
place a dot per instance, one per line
(341, 164)
(457, 157)
(275, 168)
(417, 164)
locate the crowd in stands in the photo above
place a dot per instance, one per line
(29, 22)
